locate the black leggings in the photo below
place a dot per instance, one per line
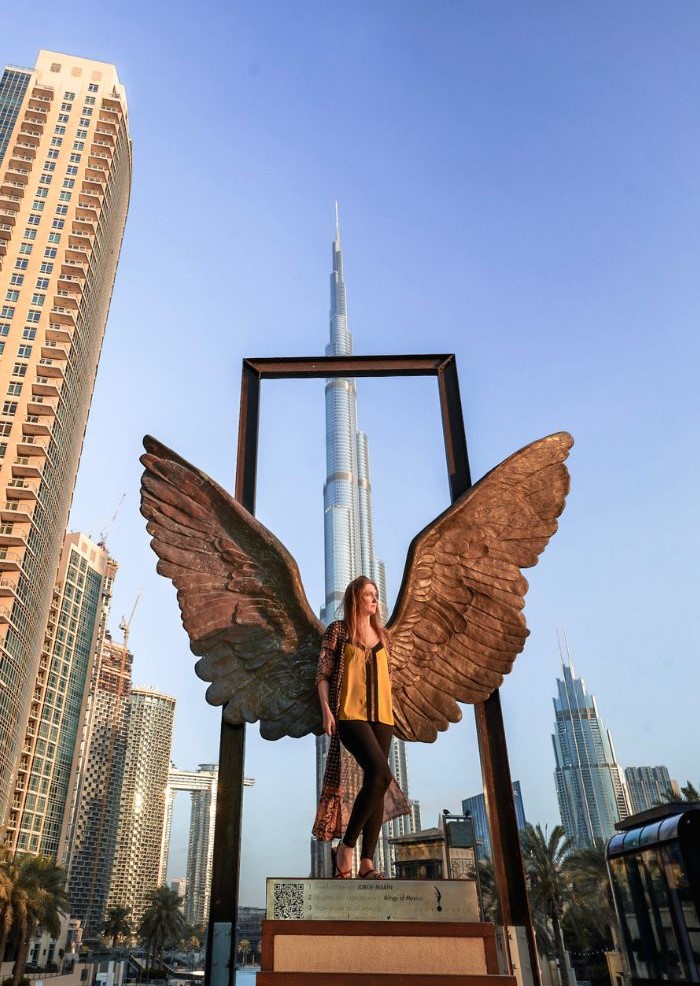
(369, 743)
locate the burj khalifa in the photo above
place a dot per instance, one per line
(349, 540)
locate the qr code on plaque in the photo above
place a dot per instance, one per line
(289, 901)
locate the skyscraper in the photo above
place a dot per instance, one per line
(77, 622)
(200, 847)
(65, 175)
(647, 787)
(348, 536)
(476, 807)
(137, 867)
(89, 837)
(590, 786)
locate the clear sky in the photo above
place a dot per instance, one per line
(519, 184)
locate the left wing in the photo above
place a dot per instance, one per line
(458, 623)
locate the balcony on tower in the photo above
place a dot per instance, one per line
(74, 268)
(63, 314)
(39, 407)
(13, 534)
(68, 284)
(82, 235)
(27, 150)
(58, 333)
(35, 120)
(34, 425)
(16, 511)
(31, 445)
(27, 467)
(22, 489)
(8, 587)
(78, 254)
(11, 560)
(66, 299)
(45, 387)
(10, 202)
(48, 368)
(29, 137)
(53, 350)
(14, 181)
(87, 211)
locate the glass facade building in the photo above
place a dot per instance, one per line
(349, 538)
(13, 87)
(591, 788)
(648, 787)
(76, 626)
(476, 807)
(65, 179)
(89, 837)
(138, 859)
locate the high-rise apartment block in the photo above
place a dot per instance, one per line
(75, 629)
(137, 867)
(89, 838)
(590, 785)
(648, 787)
(65, 175)
(349, 541)
(476, 808)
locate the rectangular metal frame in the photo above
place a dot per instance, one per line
(508, 866)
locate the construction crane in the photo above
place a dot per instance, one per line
(126, 624)
(103, 534)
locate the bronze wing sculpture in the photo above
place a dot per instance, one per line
(456, 628)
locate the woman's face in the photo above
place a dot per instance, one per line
(368, 600)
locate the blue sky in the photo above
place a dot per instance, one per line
(518, 184)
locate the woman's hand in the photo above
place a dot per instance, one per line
(328, 720)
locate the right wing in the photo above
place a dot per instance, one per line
(241, 598)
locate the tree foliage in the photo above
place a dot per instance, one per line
(32, 896)
(544, 859)
(163, 923)
(117, 925)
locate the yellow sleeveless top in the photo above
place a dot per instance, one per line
(365, 691)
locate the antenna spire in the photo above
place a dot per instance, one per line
(337, 223)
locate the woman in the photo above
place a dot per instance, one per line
(354, 687)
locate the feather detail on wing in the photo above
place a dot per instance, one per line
(458, 623)
(240, 595)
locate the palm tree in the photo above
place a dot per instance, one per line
(688, 793)
(244, 948)
(162, 923)
(545, 866)
(6, 883)
(591, 893)
(116, 924)
(487, 887)
(33, 897)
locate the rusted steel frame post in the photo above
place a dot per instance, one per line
(220, 969)
(498, 786)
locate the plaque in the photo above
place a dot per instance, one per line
(290, 899)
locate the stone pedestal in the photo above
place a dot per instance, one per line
(361, 932)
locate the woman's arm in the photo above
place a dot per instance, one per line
(326, 664)
(328, 717)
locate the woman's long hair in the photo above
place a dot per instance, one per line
(351, 608)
